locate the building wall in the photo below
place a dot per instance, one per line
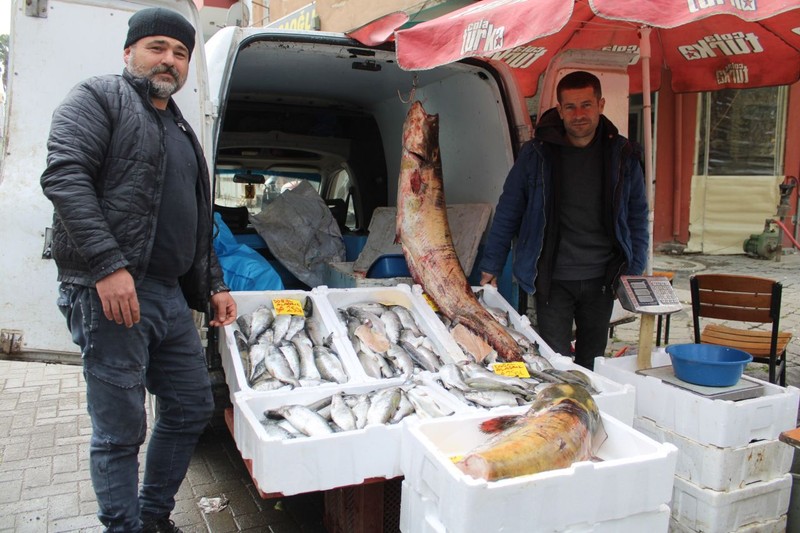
(344, 15)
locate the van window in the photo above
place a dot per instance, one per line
(341, 189)
(255, 189)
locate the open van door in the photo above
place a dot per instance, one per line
(54, 44)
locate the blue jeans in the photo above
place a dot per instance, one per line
(589, 303)
(162, 354)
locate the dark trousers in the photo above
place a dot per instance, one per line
(587, 303)
(161, 354)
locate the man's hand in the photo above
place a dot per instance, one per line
(488, 278)
(118, 295)
(224, 307)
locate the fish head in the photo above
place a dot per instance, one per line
(421, 135)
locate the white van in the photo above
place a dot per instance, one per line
(269, 106)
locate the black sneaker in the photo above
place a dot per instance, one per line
(160, 525)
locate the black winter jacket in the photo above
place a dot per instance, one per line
(105, 175)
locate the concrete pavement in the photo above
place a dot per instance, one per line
(44, 432)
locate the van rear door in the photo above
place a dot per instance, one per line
(54, 44)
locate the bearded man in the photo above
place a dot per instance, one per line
(132, 242)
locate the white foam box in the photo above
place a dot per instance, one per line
(769, 526)
(722, 469)
(418, 515)
(720, 423)
(247, 302)
(520, 323)
(403, 295)
(722, 512)
(325, 462)
(634, 476)
(613, 398)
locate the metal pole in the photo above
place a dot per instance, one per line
(644, 55)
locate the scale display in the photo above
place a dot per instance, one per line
(652, 295)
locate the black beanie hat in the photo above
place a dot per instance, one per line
(160, 21)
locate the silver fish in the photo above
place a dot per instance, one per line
(401, 360)
(404, 408)
(280, 326)
(261, 319)
(360, 406)
(296, 324)
(383, 405)
(341, 413)
(275, 431)
(424, 405)
(421, 355)
(406, 319)
(494, 398)
(305, 351)
(292, 356)
(279, 368)
(329, 365)
(451, 377)
(307, 421)
(393, 325)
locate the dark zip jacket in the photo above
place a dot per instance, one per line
(527, 205)
(105, 176)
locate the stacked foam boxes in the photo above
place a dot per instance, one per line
(732, 472)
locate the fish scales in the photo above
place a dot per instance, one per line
(424, 233)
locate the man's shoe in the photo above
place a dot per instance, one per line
(161, 525)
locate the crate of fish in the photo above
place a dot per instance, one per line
(418, 514)
(561, 460)
(722, 469)
(390, 330)
(281, 340)
(723, 512)
(722, 423)
(310, 439)
(479, 387)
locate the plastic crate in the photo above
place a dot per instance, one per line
(722, 469)
(635, 476)
(720, 423)
(367, 508)
(769, 526)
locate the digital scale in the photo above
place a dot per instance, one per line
(649, 296)
(744, 389)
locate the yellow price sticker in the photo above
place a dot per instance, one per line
(456, 458)
(430, 302)
(516, 369)
(287, 306)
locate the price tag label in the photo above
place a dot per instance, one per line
(430, 302)
(456, 458)
(287, 306)
(516, 369)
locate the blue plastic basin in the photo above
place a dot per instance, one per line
(389, 266)
(708, 364)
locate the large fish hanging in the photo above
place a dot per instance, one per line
(424, 234)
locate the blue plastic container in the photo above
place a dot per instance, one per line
(389, 266)
(708, 364)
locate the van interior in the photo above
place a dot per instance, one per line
(329, 112)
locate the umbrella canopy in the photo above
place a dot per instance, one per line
(706, 44)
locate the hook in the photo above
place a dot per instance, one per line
(410, 94)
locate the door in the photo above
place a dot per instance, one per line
(48, 55)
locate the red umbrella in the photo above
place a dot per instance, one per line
(706, 44)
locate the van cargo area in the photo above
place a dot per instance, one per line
(322, 109)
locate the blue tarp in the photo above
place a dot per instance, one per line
(243, 268)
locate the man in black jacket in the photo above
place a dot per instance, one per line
(132, 240)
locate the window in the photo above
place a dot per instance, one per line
(741, 132)
(340, 189)
(260, 188)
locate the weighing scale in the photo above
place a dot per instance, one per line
(649, 296)
(744, 389)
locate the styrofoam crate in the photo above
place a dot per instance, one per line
(722, 469)
(769, 526)
(639, 469)
(317, 463)
(520, 323)
(418, 515)
(247, 302)
(615, 399)
(713, 511)
(402, 295)
(720, 423)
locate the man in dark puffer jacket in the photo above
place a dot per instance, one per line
(132, 239)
